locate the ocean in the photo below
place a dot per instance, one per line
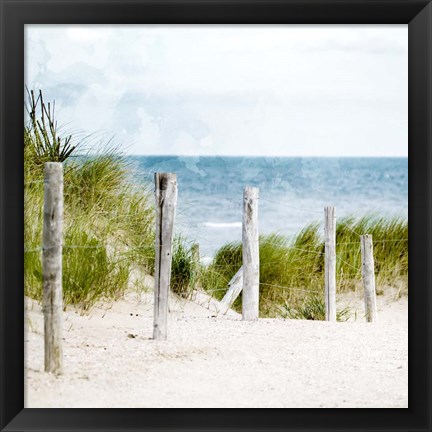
(293, 192)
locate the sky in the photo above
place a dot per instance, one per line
(285, 90)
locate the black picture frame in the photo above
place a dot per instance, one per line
(16, 13)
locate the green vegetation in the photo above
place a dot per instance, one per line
(47, 145)
(312, 308)
(292, 272)
(108, 224)
(185, 271)
(108, 230)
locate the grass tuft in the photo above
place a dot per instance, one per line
(184, 270)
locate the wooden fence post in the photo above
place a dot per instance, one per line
(52, 267)
(330, 263)
(250, 303)
(195, 252)
(368, 273)
(166, 200)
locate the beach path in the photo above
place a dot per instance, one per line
(218, 361)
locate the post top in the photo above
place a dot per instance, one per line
(251, 190)
(165, 174)
(54, 164)
(53, 170)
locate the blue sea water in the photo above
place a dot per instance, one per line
(293, 191)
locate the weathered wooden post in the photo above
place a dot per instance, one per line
(250, 299)
(195, 252)
(368, 273)
(330, 263)
(166, 201)
(52, 267)
(235, 287)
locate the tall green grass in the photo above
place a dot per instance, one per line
(108, 223)
(292, 272)
(108, 231)
(185, 270)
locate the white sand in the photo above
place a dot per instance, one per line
(111, 361)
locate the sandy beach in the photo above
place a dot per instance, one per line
(220, 361)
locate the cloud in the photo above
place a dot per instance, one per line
(228, 89)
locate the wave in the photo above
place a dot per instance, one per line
(222, 224)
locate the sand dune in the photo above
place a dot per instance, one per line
(220, 361)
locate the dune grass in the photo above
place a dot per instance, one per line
(185, 270)
(108, 230)
(108, 227)
(292, 271)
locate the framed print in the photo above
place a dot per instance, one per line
(214, 207)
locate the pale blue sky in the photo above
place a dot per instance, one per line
(285, 90)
